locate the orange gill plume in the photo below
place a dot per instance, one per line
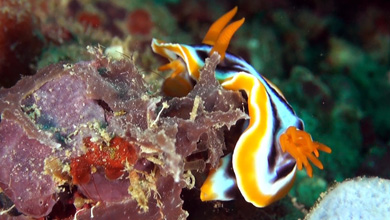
(300, 145)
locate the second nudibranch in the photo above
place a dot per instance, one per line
(272, 147)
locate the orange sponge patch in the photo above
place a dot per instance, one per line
(111, 157)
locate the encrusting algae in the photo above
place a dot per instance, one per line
(139, 172)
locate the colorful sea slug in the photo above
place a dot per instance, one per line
(272, 146)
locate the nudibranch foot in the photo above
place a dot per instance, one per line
(220, 184)
(300, 145)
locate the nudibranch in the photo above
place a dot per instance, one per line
(274, 144)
